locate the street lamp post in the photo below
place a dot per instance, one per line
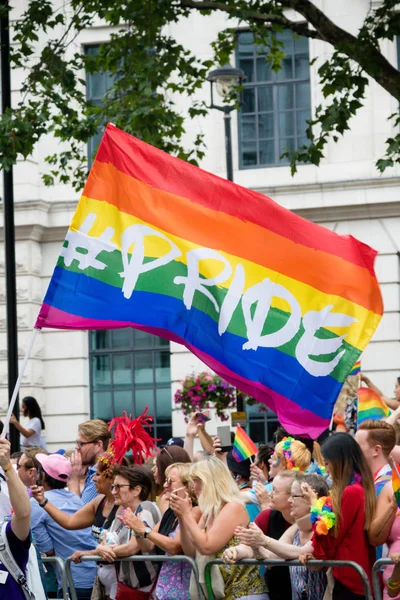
(9, 229)
(225, 79)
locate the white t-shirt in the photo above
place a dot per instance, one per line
(35, 439)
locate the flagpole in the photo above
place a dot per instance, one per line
(18, 383)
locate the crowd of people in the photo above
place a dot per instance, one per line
(293, 500)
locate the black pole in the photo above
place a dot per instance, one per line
(228, 143)
(9, 230)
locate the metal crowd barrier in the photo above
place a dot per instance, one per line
(292, 563)
(61, 565)
(148, 557)
(376, 577)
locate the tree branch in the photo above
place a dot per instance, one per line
(299, 28)
(366, 55)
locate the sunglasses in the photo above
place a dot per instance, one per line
(24, 467)
(118, 486)
(169, 453)
(80, 444)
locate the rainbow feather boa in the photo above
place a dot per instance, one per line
(322, 516)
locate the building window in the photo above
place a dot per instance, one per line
(276, 106)
(97, 86)
(129, 370)
(261, 425)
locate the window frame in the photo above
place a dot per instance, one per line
(275, 112)
(158, 425)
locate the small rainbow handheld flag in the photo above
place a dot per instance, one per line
(356, 369)
(396, 483)
(371, 406)
(243, 446)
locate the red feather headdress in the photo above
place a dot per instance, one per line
(130, 434)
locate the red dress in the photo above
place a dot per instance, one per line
(351, 542)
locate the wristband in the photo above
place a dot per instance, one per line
(43, 504)
(7, 468)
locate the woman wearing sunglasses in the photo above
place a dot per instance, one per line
(165, 458)
(131, 488)
(98, 514)
(165, 538)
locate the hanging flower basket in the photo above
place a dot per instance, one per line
(202, 391)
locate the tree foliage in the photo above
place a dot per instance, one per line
(150, 70)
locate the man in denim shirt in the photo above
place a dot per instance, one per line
(50, 537)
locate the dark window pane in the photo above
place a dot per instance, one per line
(303, 141)
(266, 125)
(96, 85)
(165, 433)
(144, 398)
(102, 405)
(265, 99)
(286, 124)
(257, 431)
(144, 369)
(302, 95)
(267, 152)
(286, 37)
(285, 96)
(301, 44)
(162, 367)
(163, 403)
(247, 65)
(248, 128)
(249, 154)
(160, 342)
(286, 145)
(101, 370)
(123, 401)
(301, 66)
(143, 339)
(264, 71)
(122, 338)
(246, 43)
(249, 104)
(302, 117)
(100, 340)
(286, 72)
(122, 369)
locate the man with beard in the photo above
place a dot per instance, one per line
(92, 440)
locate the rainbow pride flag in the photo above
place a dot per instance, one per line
(243, 445)
(396, 483)
(356, 368)
(371, 406)
(278, 306)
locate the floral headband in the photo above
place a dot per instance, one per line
(287, 453)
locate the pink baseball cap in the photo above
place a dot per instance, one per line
(55, 465)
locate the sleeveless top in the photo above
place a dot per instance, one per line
(277, 578)
(241, 580)
(100, 521)
(306, 584)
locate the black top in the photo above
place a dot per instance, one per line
(169, 523)
(100, 521)
(277, 578)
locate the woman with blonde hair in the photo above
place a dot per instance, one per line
(164, 538)
(223, 510)
(289, 454)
